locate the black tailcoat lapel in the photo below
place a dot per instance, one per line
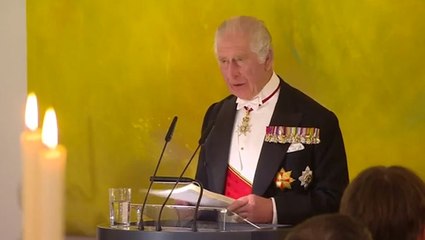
(219, 145)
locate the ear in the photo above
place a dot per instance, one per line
(268, 63)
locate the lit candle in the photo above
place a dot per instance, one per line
(52, 168)
(30, 147)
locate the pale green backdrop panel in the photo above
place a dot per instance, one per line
(118, 71)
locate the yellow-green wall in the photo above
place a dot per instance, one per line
(118, 71)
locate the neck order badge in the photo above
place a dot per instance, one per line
(245, 127)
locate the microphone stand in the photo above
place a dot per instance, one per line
(167, 140)
(201, 142)
(176, 182)
(198, 203)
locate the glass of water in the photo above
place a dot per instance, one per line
(119, 207)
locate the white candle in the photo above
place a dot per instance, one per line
(30, 147)
(52, 166)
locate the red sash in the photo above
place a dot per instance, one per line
(236, 186)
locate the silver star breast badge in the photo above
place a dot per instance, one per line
(306, 177)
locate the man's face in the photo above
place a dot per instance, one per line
(245, 76)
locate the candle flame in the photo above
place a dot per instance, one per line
(49, 133)
(31, 112)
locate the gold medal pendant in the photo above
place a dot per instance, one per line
(245, 127)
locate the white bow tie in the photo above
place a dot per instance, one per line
(253, 103)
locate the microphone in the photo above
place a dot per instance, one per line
(204, 137)
(167, 139)
(206, 133)
(169, 135)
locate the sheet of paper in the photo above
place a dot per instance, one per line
(190, 194)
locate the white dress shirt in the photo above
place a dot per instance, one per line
(245, 148)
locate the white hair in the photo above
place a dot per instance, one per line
(259, 36)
